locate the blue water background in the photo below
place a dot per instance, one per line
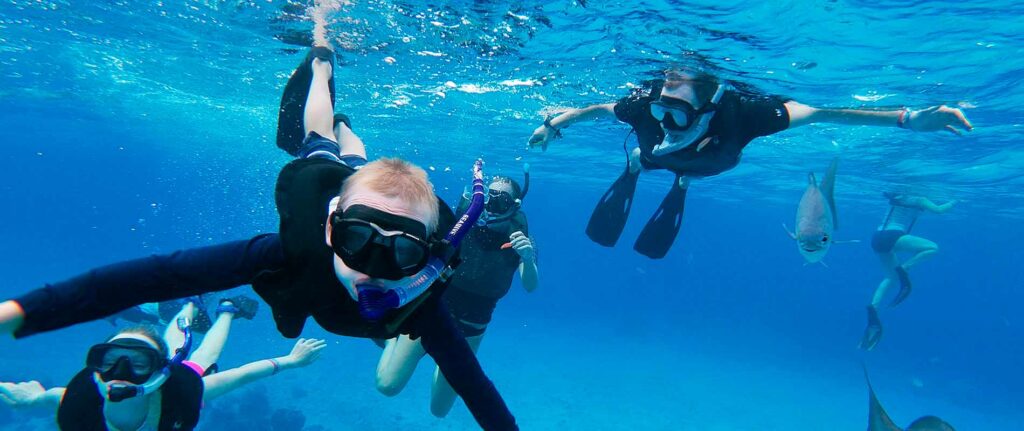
(133, 128)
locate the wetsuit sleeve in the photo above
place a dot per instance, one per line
(443, 342)
(629, 109)
(763, 115)
(109, 289)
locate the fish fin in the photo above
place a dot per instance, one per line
(811, 179)
(822, 262)
(846, 241)
(878, 419)
(828, 185)
(789, 232)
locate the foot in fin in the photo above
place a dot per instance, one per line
(241, 306)
(905, 286)
(201, 323)
(873, 332)
(290, 131)
(610, 214)
(660, 231)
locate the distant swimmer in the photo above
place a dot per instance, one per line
(133, 381)
(696, 125)
(493, 252)
(892, 237)
(878, 419)
(816, 217)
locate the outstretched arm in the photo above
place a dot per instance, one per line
(106, 290)
(30, 394)
(933, 119)
(305, 352)
(545, 132)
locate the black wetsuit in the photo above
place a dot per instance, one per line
(181, 398)
(293, 271)
(740, 118)
(485, 275)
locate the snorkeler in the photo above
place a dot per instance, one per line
(695, 125)
(893, 236)
(134, 382)
(491, 254)
(365, 253)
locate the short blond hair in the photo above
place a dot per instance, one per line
(395, 178)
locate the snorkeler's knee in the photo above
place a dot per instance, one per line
(440, 410)
(389, 385)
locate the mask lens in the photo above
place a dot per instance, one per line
(355, 237)
(500, 202)
(408, 254)
(674, 116)
(105, 357)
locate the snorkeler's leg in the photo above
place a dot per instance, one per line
(922, 249)
(319, 113)
(173, 335)
(351, 144)
(889, 264)
(442, 396)
(209, 351)
(397, 364)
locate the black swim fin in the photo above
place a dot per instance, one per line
(610, 214)
(290, 131)
(661, 230)
(905, 286)
(873, 332)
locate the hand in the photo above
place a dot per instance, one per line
(541, 136)
(305, 352)
(11, 316)
(938, 118)
(21, 394)
(522, 245)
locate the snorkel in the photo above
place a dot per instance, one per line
(374, 302)
(696, 130)
(116, 392)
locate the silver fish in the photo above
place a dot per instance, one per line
(816, 216)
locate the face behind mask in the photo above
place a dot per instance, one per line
(682, 124)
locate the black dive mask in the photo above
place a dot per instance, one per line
(125, 359)
(677, 114)
(499, 203)
(379, 244)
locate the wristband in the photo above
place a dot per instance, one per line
(547, 123)
(903, 120)
(277, 366)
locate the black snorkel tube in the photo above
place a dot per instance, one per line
(120, 391)
(374, 303)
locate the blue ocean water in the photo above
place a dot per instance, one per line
(131, 128)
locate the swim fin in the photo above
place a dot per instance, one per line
(905, 286)
(610, 214)
(661, 230)
(290, 130)
(873, 332)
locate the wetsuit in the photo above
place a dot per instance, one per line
(181, 398)
(740, 118)
(485, 275)
(292, 271)
(897, 223)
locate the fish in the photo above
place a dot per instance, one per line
(816, 218)
(879, 420)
